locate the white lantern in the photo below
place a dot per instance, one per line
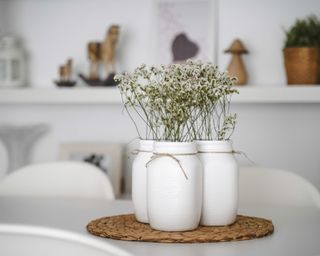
(12, 63)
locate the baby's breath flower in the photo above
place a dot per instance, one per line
(180, 102)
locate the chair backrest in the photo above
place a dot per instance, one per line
(24, 240)
(273, 186)
(58, 179)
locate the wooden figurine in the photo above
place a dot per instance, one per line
(65, 75)
(108, 49)
(94, 58)
(236, 66)
(65, 71)
(102, 53)
(69, 69)
(62, 73)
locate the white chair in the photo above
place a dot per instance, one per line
(272, 186)
(22, 240)
(58, 179)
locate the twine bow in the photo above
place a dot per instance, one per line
(159, 155)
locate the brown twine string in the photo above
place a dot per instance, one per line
(128, 155)
(241, 153)
(159, 155)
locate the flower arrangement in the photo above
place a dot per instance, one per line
(180, 102)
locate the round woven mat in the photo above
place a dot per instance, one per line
(125, 227)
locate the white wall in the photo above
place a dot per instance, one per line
(2, 19)
(281, 135)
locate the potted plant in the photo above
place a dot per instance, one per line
(181, 103)
(174, 173)
(212, 130)
(301, 51)
(133, 89)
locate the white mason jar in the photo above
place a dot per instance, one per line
(220, 183)
(139, 180)
(174, 187)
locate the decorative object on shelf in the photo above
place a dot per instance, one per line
(180, 35)
(102, 53)
(302, 52)
(106, 156)
(94, 59)
(178, 104)
(236, 67)
(212, 132)
(139, 180)
(146, 95)
(125, 227)
(12, 63)
(183, 48)
(108, 50)
(109, 81)
(18, 141)
(65, 75)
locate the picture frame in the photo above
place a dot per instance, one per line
(106, 156)
(185, 29)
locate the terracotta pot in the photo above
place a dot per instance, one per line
(302, 65)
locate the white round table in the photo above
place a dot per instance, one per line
(297, 229)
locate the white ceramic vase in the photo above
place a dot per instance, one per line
(139, 180)
(174, 187)
(220, 183)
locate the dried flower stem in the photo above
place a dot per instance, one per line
(180, 102)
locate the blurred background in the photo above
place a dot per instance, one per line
(277, 125)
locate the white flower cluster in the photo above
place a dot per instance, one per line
(180, 102)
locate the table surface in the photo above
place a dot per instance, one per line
(297, 229)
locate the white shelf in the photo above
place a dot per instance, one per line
(109, 95)
(280, 94)
(247, 94)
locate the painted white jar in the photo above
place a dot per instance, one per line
(139, 180)
(174, 187)
(220, 183)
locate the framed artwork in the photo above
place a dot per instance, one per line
(107, 157)
(185, 29)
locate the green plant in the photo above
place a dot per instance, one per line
(179, 102)
(304, 33)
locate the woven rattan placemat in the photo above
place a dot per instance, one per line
(125, 227)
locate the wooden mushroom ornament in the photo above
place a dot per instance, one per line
(236, 66)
